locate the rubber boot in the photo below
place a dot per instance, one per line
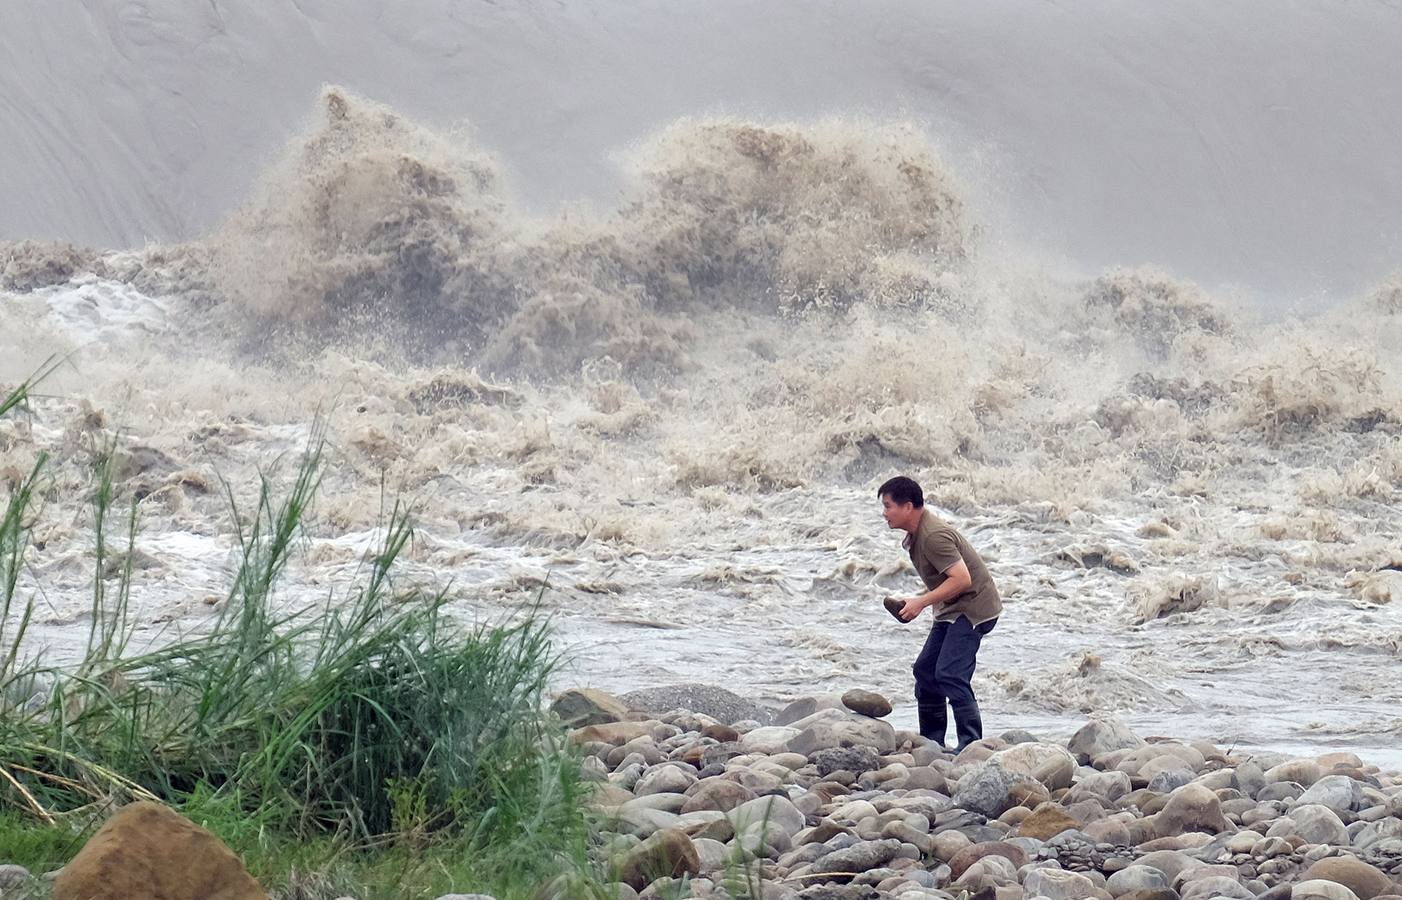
(933, 722)
(967, 723)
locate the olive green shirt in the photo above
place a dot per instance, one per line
(934, 548)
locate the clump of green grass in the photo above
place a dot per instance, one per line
(14, 537)
(376, 737)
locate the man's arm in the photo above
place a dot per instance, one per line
(957, 581)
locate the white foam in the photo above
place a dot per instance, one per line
(90, 308)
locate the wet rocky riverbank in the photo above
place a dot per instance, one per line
(827, 800)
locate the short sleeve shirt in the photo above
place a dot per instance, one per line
(934, 548)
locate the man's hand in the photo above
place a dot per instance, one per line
(911, 609)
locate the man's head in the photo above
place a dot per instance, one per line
(902, 503)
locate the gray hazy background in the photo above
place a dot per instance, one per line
(1249, 143)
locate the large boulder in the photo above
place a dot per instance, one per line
(987, 790)
(664, 779)
(1338, 792)
(644, 821)
(1300, 771)
(769, 740)
(1169, 780)
(767, 817)
(578, 707)
(857, 760)
(149, 850)
(1108, 786)
(1191, 808)
(1046, 822)
(862, 856)
(1057, 884)
(667, 854)
(716, 793)
(1250, 778)
(1170, 862)
(1134, 761)
(1136, 878)
(1215, 887)
(1109, 830)
(1167, 763)
(1319, 825)
(715, 856)
(1340, 758)
(1101, 735)
(1388, 829)
(759, 782)
(1047, 763)
(706, 699)
(1321, 890)
(839, 728)
(969, 854)
(1364, 880)
(990, 872)
(668, 802)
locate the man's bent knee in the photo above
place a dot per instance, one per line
(953, 686)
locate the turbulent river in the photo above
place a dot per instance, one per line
(662, 422)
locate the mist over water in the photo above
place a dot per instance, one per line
(1248, 144)
(664, 415)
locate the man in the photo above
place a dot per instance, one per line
(966, 604)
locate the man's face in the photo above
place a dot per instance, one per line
(897, 515)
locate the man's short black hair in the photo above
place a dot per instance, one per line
(903, 490)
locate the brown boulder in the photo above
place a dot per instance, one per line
(149, 850)
(721, 732)
(975, 852)
(578, 707)
(867, 703)
(1356, 875)
(694, 756)
(1108, 831)
(667, 854)
(716, 793)
(1030, 794)
(923, 778)
(1301, 771)
(1191, 808)
(1332, 760)
(1046, 822)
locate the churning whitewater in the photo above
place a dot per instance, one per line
(663, 423)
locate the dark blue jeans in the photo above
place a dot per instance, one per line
(944, 671)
